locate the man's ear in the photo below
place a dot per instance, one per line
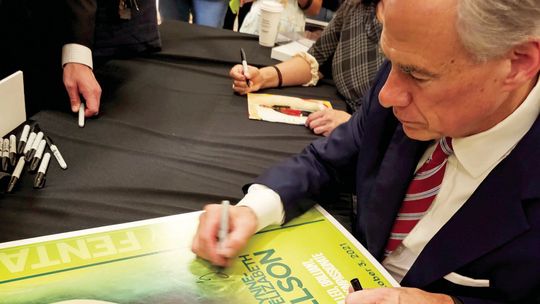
(379, 11)
(524, 63)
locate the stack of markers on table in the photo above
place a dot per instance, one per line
(29, 151)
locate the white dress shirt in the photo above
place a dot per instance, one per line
(473, 159)
(77, 53)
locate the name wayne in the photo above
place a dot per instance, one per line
(57, 253)
(273, 267)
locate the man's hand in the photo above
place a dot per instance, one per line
(79, 80)
(396, 296)
(325, 121)
(242, 225)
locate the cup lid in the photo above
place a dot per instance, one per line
(272, 6)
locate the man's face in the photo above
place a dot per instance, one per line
(435, 87)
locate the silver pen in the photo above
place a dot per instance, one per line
(223, 224)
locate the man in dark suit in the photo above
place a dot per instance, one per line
(443, 157)
(49, 40)
(103, 28)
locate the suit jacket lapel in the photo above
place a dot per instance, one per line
(492, 216)
(393, 177)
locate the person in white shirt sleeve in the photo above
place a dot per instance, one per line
(443, 158)
(103, 28)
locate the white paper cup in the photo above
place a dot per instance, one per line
(268, 28)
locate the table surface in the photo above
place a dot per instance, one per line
(171, 136)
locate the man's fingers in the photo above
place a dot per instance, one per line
(92, 97)
(73, 93)
(80, 80)
(313, 116)
(236, 240)
(92, 103)
(242, 225)
(205, 242)
(318, 122)
(323, 130)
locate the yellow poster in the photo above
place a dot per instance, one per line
(309, 260)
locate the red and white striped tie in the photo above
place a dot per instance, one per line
(421, 192)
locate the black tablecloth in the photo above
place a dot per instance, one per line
(171, 137)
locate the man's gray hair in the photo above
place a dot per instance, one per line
(490, 28)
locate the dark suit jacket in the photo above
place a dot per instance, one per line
(494, 236)
(96, 24)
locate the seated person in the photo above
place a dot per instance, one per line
(444, 157)
(349, 46)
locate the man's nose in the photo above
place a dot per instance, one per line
(394, 92)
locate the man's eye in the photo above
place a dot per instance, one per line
(417, 78)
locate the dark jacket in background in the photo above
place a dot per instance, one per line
(97, 25)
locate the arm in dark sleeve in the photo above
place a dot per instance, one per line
(305, 174)
(327, 159)
(81, 20)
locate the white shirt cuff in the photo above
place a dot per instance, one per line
(78, 53)
(266, 204)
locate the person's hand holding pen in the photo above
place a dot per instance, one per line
(240, 81)
(242, 224)
(79, 80)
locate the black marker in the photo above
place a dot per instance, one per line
(37, 157)
(31, 138)
(16, 174)
(35, 145)
(356, 284)
(5, 154)
(39, 181)
(22, 139)
(13, 150)
(244, 65)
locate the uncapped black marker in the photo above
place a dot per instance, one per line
(37, 156)
(39, 181)
(16, 174)
(5, 154)
(12, 150)
(356, 284)
(23, 138)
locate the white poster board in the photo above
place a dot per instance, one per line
(12, 111)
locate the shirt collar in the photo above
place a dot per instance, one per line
(480, 152)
